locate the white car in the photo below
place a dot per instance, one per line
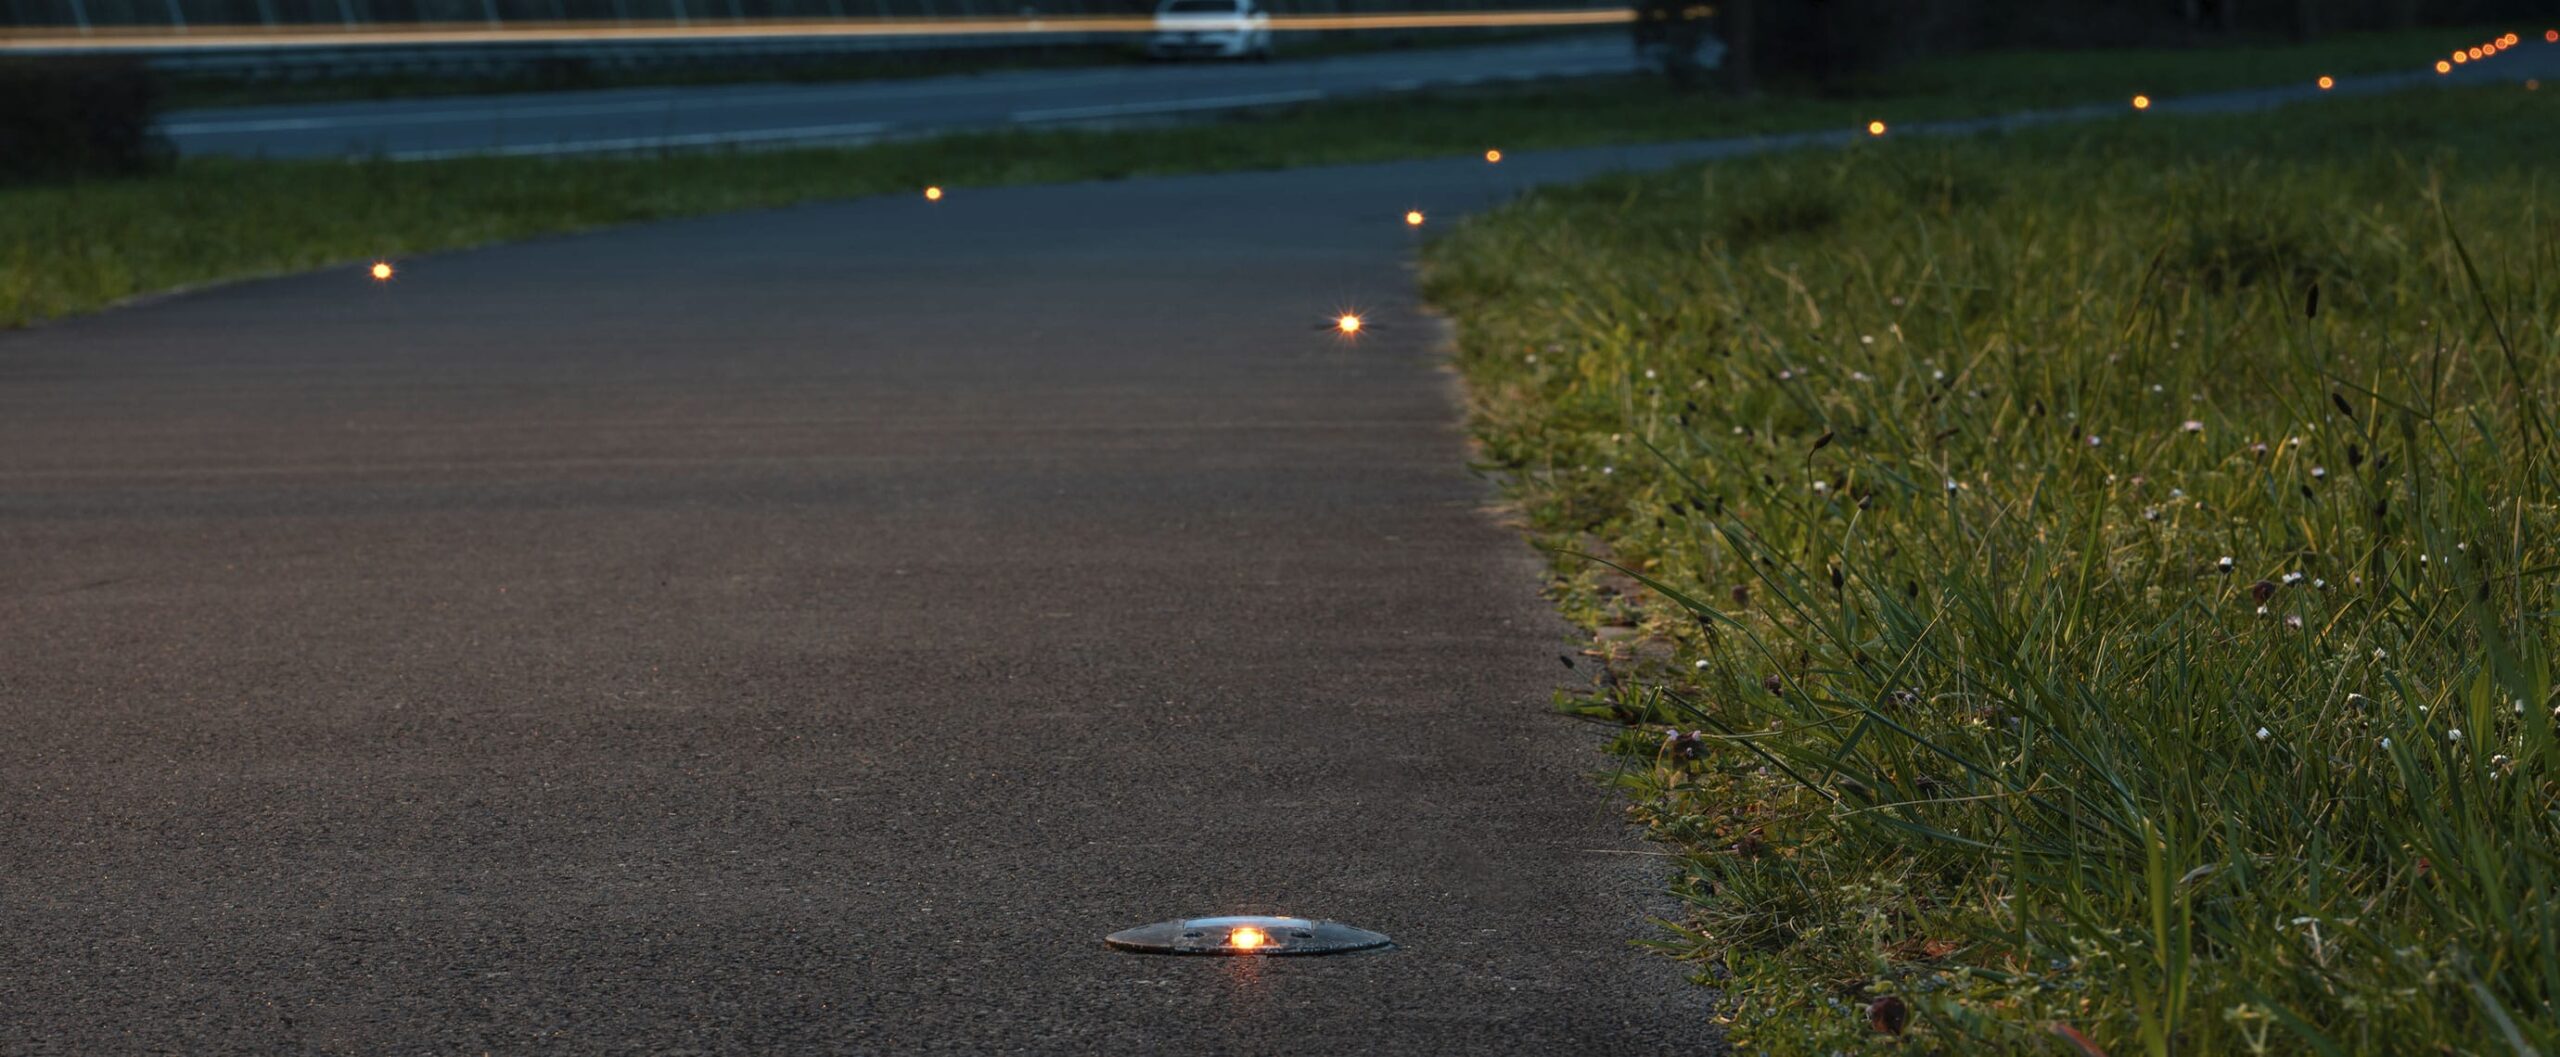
(1211, 29)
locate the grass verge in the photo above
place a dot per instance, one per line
(75, 248)
(2089, 591)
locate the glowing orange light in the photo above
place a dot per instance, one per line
(1875, 128)
(1492, 156)
(2327, 83)
(2532, 85)
(933, 194)
(1249, 937)
(381, 271)
(2551, 36)
(1413, 218)
(2475, 53)
(2460, 58)
(2443, 66)
(2142, 102)
(1348, 324)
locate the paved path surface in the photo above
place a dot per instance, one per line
(801, 631)
(644, 118)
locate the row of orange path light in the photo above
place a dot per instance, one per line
(1349, 323)
(2326, 82)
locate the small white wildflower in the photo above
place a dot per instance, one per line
(2386, 743)
(2177, 493)
(1786, 373)
(1866, 339)
(2157, 387)
(2454, 734)
(2293, 622)
(2191, 426)
(2224, 564)
(2293, 442)
(2151, 513)
(2096, 440)
(2264, 734)
(1859, 376)
(2292, 578)
(1533, 357)
(1702, 664)
(1607, 470)
(1951, 484)
(2319, 473)
(2462, 546)
(1937, 376)
(1648, 372)
(2262, 611)
(2380, 653)
(1820, 487)
(2319, 585)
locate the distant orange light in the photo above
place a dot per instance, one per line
(2459, 58)
(1413, 218)
(1348, 324)
(2474, 53)
(2327, 83)
(933, 194)
(381, 271)
(2443, 66)
(1492, 156)
(2532, 85)
(2551, 36)
(2142, 102)
(1247, 938)
(1875, 128)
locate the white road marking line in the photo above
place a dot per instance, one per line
(1175, 106)
(855, 130)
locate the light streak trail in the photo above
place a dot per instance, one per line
(205, 37)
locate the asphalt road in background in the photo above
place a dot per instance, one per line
(804, 631)
(753, 114)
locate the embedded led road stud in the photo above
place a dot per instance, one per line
(2142, 102)
(2327, 83)
(1492, 156)
(2443, 66)
(1413, 218)
(1875, 128)
(933, 194)
(1246, 935)
(382, 271)
(1348, 324)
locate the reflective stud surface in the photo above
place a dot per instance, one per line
(1246, 935)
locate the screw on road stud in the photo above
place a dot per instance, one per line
(1267, 937)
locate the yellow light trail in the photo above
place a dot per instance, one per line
(122, 38)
